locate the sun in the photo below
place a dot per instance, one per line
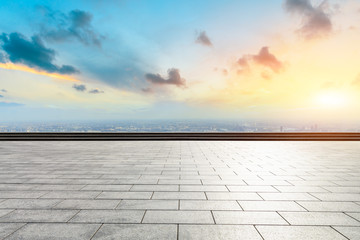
(331, 99)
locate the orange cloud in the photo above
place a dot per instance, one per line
(23, 68)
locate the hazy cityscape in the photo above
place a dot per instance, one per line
(173, 126)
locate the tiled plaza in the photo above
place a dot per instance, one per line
(180, 190)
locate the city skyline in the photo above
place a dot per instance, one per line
(111, 60)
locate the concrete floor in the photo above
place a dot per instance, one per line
(180, 190)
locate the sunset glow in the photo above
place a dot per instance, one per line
(181, 59)
(16, 67)
(332, 99)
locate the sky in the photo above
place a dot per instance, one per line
(282, 60)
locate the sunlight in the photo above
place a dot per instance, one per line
(331, 99)
(24, 68)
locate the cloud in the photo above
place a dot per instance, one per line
(203, 39)
(79, 87)
(243, 61)
(74, 25)
(10, 104)
(1, 96)
(147, 90)
(3, 90)
(32, 53)
(225, 72)
(356, 82)
(266, 75)
(2, 58)
(316, 23)
(96, 91)
(264, 58)
(173, 78)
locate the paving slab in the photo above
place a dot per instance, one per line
(352, 233)
(218, 232)
(108, 216)
(29, 203)
(299, 232)
(136, 232)
(270, 206)
(194, 217)
(8, 228)
(86, 204)
(208, 205)
(39, 215)
(149, 204)
(124, 195)
(179, 195)
(179, 190)
(319, 218)
(242, 217)
(54, 231)
(330, 206)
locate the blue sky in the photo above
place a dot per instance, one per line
(122, 59)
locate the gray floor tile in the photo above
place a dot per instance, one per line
(300, 189)
(202, 188)
(15, 187)
(208, 205)
(159, 188)
(353, 233)
(195, 217)
(104, 187)
(71, 194)
(267, 183)
(354, 215)
(319, 218)
(232, 196)
(288, 196)
(8, 228)
(252, 189)
(3, 212)
(149, 204)
(344, 197)
(270, 206)
(87, 204)
(39, 215)
(343, 189)
(179, 195)
(188, 175)
(125, 195)
(298, 232)
(312, 183)
(22, 194)
(55, 231)
(182, 181)
(224, 182)
(29, 203)
(240, 217)
(330, 206)
(218, 232)
(136, 232)
(108, 216)
(52, 187)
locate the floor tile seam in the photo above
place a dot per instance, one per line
(257, 230)
(142, 219)
(15, 231)
(212, 224)
(73, 216)
(283, 218)
(339, 232)
(96, 231)
(347, 214)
